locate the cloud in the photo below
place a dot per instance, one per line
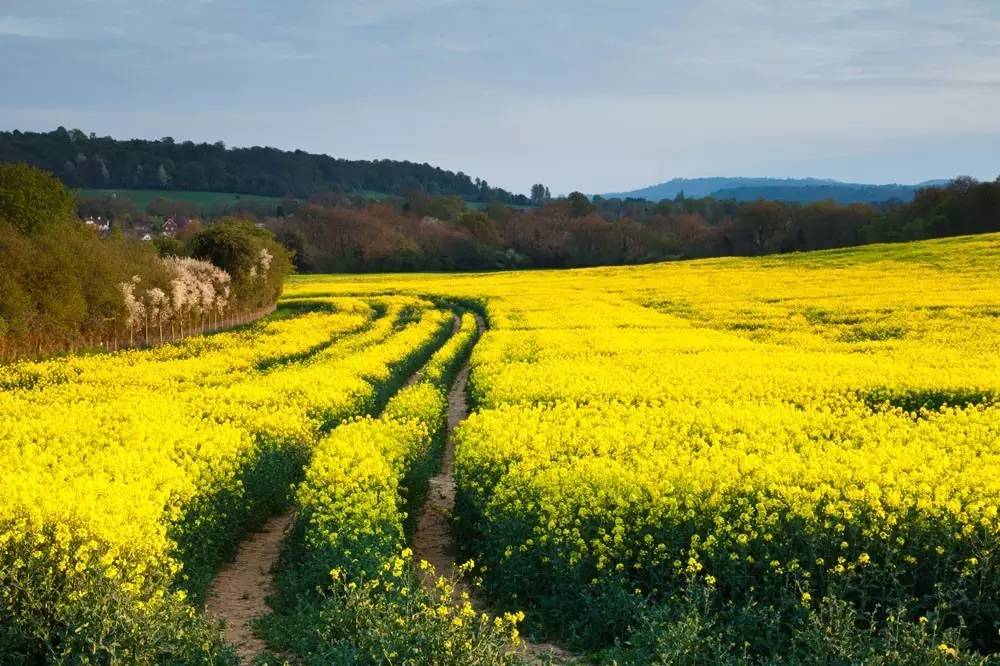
(15, 26)
(582, 94)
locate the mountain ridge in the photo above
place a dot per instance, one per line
(782, 189)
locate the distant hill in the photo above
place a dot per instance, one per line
(89, 161)
(801, 190)
(841, 193)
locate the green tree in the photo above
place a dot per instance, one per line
(539, 194)
(33, 200)
(758, 225)
(479, 225)
(162, 207)
(295, 242)
(256, 261)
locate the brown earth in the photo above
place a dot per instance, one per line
(433, 538)
(238, 594)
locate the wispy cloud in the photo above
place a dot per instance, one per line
(16, 26)
(589, 94)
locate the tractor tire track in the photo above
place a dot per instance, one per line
(434, 538)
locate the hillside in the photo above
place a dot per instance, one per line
(206, 202)
(778, 189)
(839, 192)
(89, 161)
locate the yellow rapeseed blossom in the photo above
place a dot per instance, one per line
(105, 455)
(785, 419)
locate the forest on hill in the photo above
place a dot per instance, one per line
(83, 160)
(791, 190)
(333, 232)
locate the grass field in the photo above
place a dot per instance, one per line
(206, 201)
(789, 459)
(211, 202)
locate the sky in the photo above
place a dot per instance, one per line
(576, 94)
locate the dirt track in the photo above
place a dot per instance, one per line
(239, 592)
(434, 540)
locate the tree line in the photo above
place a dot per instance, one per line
(331, 233)
(90, 161)
(64, 286)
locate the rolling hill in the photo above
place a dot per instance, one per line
(781, 189)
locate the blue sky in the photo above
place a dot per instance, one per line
(578, 94)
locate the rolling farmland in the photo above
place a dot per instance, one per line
(206, 202)
(715, 461)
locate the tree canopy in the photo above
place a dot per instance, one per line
(82, 160)
(32, 199)
(64, 284)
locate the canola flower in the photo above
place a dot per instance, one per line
(446, 360)
(115, 465)
(350, 539)
(770, 428)
(776, 426)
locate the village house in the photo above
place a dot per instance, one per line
(174, 224)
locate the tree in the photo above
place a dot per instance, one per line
(111, 208)
(579, 205)
(479, 225)
(162, 207)
(161, 176)
(539, 194)
(32, 200)
(295, 242)
(268, 171)
(167, 246)
(442, 207)
(757, 225)
(256, 261)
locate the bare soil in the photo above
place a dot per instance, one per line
(434, 539)
(238, 594)
(456, 324)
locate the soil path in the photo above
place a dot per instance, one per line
(456, 324)
(238, 594)
(434, 539)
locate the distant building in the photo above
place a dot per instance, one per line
(98, 223)
(174, 224)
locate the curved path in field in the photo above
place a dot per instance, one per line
(238, 594)
(434, 539)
